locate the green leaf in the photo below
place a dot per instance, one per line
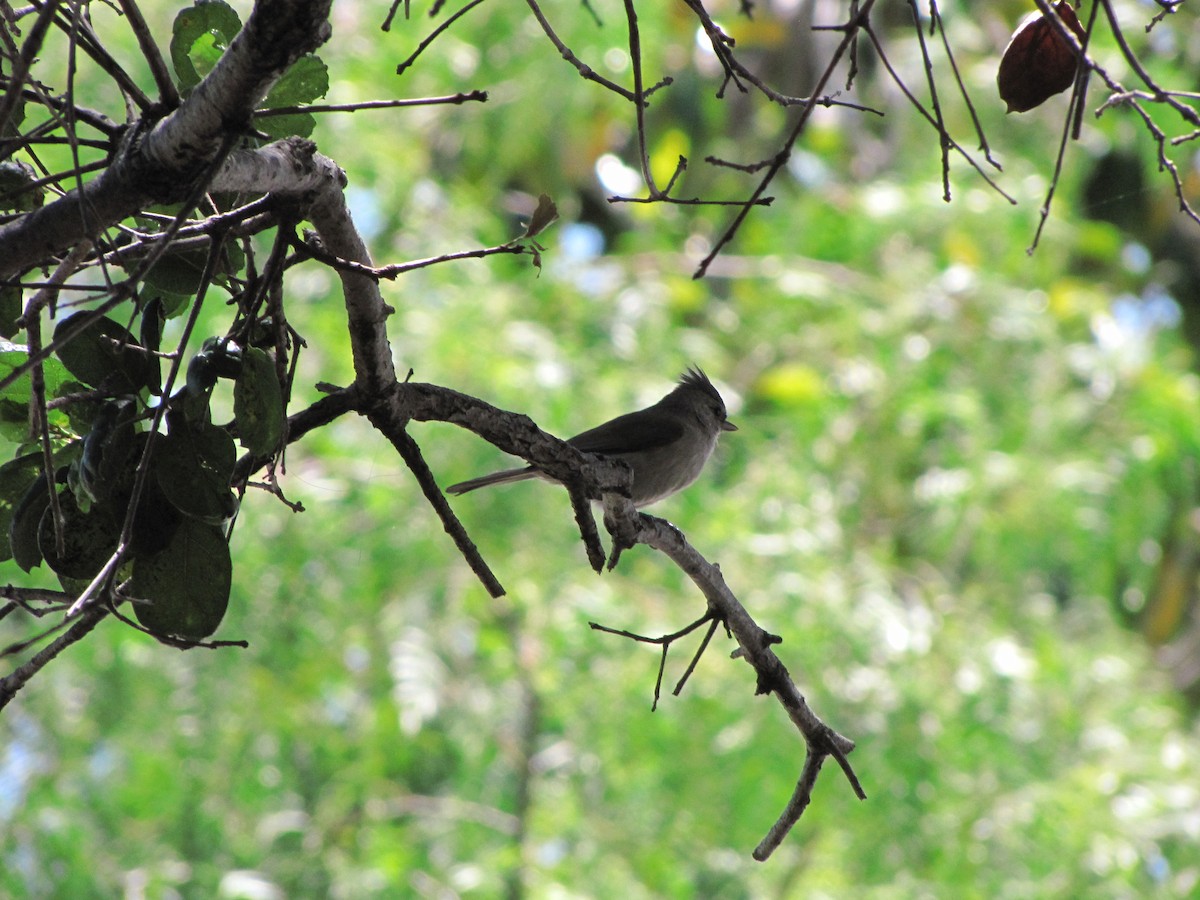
(14, 398)
(184, 590)
(16, 478)
(306, 80)
(176, 271)
(12, 357)
(193, 465)
(258, 403)
(104, 354)
(277, 127)
(199, 37)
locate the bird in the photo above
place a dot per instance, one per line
(666, 445)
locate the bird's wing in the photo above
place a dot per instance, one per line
(630, 433)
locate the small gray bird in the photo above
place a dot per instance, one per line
(666, 444)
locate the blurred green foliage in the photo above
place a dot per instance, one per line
(958, 470)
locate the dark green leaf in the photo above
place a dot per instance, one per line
(258, 403)
(89, 538)
(174, 304)
(194, 463)
(14, 421)
(16, 477)
(156, 521)
(16, 187)
(26, 519)
(176, 271)
(10, 310)
(81, 412)
(153, 318)
(105, 354)
(200, 34)
(184, 590)
(110, 451)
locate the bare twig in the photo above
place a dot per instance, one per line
(150, 52)
(411, 454)
(433, 36)
(448, 99)
(630, 527)
(580, 66)
(665, 641)
(13, 682)
(934, 102)
(849, 30)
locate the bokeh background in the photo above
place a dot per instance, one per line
(964, 492)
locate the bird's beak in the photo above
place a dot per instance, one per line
(728, 426)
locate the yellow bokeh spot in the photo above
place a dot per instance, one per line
(791, 384)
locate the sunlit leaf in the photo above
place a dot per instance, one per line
(200, 35)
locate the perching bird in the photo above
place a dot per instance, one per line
(666, 445)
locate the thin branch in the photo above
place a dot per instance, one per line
(629, 527)
(21, 62)
(849, 30)
(936, 17)
(150, 52)
(925, 114)
(410, 452)
(433, 36)
(935, 103)
(81, 34)
(639, 93)
(14, 681)
(391, 272)
(1070, 127)
(450, 99)
(580, 66)
(665, 641)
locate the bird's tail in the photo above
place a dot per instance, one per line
(495, 478)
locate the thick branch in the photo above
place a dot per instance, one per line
(160, 162)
